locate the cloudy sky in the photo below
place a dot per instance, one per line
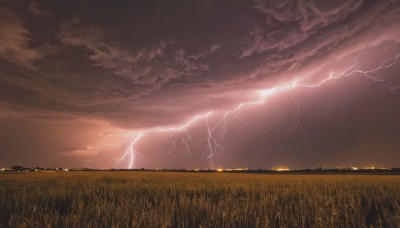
(161, 84)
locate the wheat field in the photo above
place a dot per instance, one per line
(172, 199)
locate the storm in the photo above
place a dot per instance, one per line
(200, 84)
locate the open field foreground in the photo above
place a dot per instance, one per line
(160, 199)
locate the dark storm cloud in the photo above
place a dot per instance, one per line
(290, 23)
(34, 8)
(119, 78)
(156, 63)
(296, 33)
(14, 39)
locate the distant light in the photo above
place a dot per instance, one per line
(237, 169)
(280, 169)
(220, 170)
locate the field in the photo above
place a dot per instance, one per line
(161, 199)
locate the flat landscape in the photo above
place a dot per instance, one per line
(174, 199)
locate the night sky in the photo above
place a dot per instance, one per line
(199, 84)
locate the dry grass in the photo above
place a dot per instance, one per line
(156, 199)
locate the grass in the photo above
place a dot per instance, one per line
(161, 199)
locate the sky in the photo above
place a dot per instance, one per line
(199, 84)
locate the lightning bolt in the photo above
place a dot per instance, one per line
(211, 140)
(184, 139)
(299, 125)
(129, 156)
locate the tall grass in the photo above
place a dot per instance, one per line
(157, 199)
